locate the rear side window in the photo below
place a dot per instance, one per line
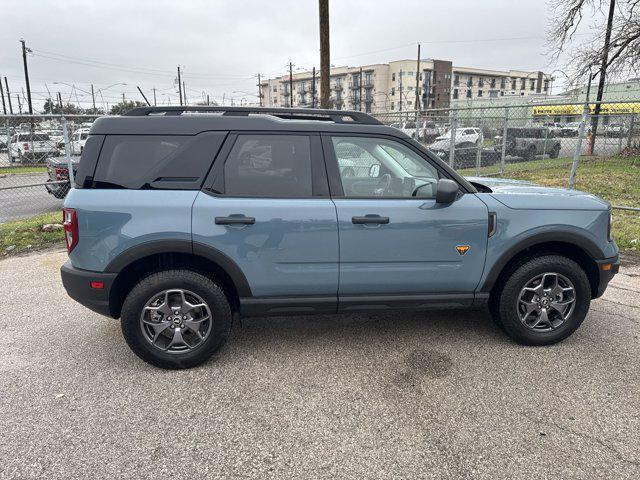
(156, 161)
(269, 166)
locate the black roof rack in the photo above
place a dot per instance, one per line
(337, 116)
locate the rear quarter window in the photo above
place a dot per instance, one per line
(156, 161)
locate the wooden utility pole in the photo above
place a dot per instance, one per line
(418, 80)
(154, 97)
(313, 88)
(400, 92)
(179, 85)
(26, 76)
(603, 75)
(259, 91)
(184, 93)
(4, 106)
(290, 84)
(324, 53)
(6, 84)
(93, 99)
(360, 91)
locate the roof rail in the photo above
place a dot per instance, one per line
(337, 116)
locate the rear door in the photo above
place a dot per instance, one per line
(266, 206)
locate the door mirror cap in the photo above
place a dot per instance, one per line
(447, 191)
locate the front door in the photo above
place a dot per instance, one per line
(267, 209)
(394, 238)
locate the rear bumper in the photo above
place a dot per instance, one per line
(607, 269)
(77, 283)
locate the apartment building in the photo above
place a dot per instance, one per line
(394, 86)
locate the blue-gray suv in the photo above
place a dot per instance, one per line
(184, 218)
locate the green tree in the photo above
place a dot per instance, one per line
(123, 107)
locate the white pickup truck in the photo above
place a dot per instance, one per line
(29, 147)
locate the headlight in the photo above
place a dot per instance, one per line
(609, 230)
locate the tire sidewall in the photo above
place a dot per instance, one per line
(156, 283)
(508, 312)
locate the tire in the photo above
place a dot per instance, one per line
(530, 153)
(507, 309)
(555, 152)
(196, 287)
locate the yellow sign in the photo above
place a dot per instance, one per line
(605, 109)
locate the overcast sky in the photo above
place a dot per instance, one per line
(222, 45)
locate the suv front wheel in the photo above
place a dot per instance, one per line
(176, 319)
(543, 301)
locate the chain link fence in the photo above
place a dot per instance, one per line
(36, 153)
(39, 153)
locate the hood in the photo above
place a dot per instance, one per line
(441, 143)
(523, 195)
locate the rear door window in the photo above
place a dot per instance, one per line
(269, 166)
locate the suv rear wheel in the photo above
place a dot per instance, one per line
(176, 319)
(543, 301)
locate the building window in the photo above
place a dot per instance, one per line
(410, 74)
(468, 93)
(393, 91)
(532, 84)
(470, 81)
(493, 83)
(455, 93)
(392, 106)
(456, 80)
(368, 78)
(479, 93)
(503, 83)
(513, 84)
(522, 83)
(481, 82)
(275, 88)
(393, 79)
(546, 85)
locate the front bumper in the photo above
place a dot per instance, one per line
(607, 269)
(77, 283)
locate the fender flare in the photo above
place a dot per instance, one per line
(585, 244)
(212, 254)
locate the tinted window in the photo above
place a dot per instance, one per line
(171, 161)
(376, 167)
(269, 166)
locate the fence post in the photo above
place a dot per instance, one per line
(416, 135)
(67, 152)
(452, 141)
(8, 132)
(479, 152)
(576, 154)
(630, 136)
(504, 139)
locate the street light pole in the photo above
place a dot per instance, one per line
(26, 75)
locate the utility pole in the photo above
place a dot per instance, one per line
(19, 103)
(60, 101)
(154, 96)
(123, 99)
(290, 84)
(93, 98)
(26, 75)
(418, 80)
(184, 93)
(400, 91)
(4, 106)
(179, 85)
(360, 91)
(324, 53)
(313, 87)
(259, 90)
(6, 84)
(208, 103)
(603, 74)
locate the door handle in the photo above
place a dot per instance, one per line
(370, 220)
(235, 220)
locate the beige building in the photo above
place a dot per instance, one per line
(392, 86)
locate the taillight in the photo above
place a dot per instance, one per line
(70, 223)
(61, 173)
(25, 146)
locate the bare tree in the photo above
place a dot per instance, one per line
(622, 52)
(612, 51)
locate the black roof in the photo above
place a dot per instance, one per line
(192, 120)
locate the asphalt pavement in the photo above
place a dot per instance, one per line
(385, 395)
(25, 201)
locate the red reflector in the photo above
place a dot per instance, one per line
(97, 285)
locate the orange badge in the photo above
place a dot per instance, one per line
(462, 249)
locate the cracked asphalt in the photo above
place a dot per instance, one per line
(385, 395)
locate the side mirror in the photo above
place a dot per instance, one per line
(374, 170)
(447, 191)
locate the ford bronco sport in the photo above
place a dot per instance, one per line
(184, 218)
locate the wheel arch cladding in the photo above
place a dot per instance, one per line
(582, 250)
(142, 260)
